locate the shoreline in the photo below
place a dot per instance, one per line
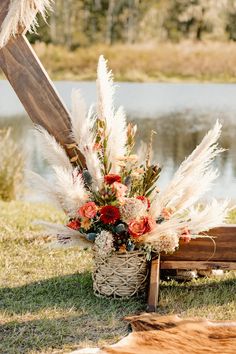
(184, 62)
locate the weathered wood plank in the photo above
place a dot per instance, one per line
(222, 249)
(4, 5)
(35, 89)
(198, 265)
(153, 294)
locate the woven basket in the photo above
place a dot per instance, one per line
(120, 275)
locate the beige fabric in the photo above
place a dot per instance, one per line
(22, 13)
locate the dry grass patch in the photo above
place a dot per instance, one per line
(186, 61)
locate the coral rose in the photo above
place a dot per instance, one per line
(74, 224)
(109, 214)
(137, 227)
(111, 178)
(141, 226)
(150, 223)
(88, 210)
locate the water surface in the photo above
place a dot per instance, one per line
(180, 114)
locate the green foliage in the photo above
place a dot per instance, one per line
(11, 167)
(75, 23)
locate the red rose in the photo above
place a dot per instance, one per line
(144, 200)
(109, 214)
(111, 178)
(74, 224)
(88, 210)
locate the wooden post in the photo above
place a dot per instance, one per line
(154, 284)
(34, 88)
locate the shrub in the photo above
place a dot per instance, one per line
(11, 167)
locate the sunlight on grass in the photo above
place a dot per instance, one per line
(46, 299)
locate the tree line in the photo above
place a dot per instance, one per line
(76, 23)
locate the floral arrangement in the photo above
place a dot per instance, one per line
(114, 203)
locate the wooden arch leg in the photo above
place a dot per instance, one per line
(154, 285)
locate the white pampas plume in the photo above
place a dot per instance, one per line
(52, 150)
(43, 187)
(65, 235)
(78, 115)
(105, 92)
(155, 208)
(116, 126)
(195, 170)
(22, 14)
(211, 215)
(71, 190)
(117, 139)
(82, 131)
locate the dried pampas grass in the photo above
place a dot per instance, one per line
(22, 14)
(82, 123)
(115, 121)
(52, 151)
(195, 175)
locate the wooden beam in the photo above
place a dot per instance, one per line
(198, 265)
(4, 6)
(35, 90)
(221, 248)
(154, 284)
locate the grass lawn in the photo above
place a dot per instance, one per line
(46, 299)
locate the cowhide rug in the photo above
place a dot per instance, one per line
(173, 335)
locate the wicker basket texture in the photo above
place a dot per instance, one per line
(120, 275)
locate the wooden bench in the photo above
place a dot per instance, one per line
(200, 253)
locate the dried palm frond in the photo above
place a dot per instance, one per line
(52, 151)
(22, 14)
(65, 235)
(194, 176)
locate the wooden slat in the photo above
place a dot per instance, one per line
(4, 5)
(197, 265)
(204, 249)
(35, 90)
(154, 285)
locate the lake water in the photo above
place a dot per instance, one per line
(180, 114)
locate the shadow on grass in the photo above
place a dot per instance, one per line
(61, 312)
(64, 292)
